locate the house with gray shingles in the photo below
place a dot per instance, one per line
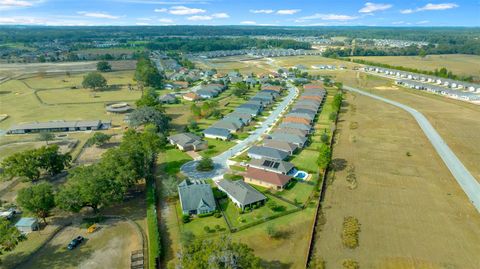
(275, 166)
(300, 126)
(244, 117)
(167, 99)
(312, 108)
(280, 145)
(217, 133)
(301, 115)
(187, 141)
(294, 131)
(207, 93)
(290, 138)
(231, 124)
(241, 194)
(196, 197)
(257, 152)
(251, 109)
(303, 110)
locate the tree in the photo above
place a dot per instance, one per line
(147, 74)
(88, 186)
(217, 253)
(98, 139)
(104, 66)
(324, 157)
(170, 186)
(146, 115)
(38, 199)
(23, 164)
(51, 160)
(94, 80)
(9, 236)
(205, 164)
(324, 138)
(240, 89)
(46, 136)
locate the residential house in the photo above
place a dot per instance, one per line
(207, 93)
(266, 178)
(196, 197)
(290, 138)
(217, 133)
(297, 120)
(252, 109)
(168, 99)
(191, 96)
(307, 116)
(280, 145)
(294, 131)
(187, 142)
(231, 124)
(241, 194)
(244, 117)
(300, 126)
(275, 166)
(259, 152)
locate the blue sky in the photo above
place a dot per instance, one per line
(241, 12)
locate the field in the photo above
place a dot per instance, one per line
(459, 64)
(49, 97)
(412, 212)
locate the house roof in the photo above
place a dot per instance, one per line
(184, 139)
(294, 131)
(192, 95)
(245, 117)
(300, 126)
(196, 195)
(313, 86)
(280, 145)
(221, 132)
(267, 176)
(167, 97)
(241, 191)
(296, 120)
(268, 152)
(275, 166)
(301, 115)
(57, 124)
(232, 124)
(291, 138)
(26, 222)
(304, 111)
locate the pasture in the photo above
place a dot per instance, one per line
(459, 64)
(411, 210)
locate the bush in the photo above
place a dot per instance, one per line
(275, 207)
(186, 218)
(351, 229)
(206, 229)
(316, 263)
(205, 164)
(218, 227)
(217, 215)
(350, 264)
(152, 225)
(205, 215)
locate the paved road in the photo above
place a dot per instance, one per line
(221, 160)
(467, 182)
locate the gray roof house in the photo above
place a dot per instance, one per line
(303, 110)
(207, 93)
(257, 152)
(241, 193)
(280, 145)
(307, 116)
(244, 117)
(294, 131)
(294, 125)
(167, 99)
(231, 124)
(196, 197)
(217, 133)
(305, 107)
(276, 166)
(290, 138)
(250, 109)
(187, 141)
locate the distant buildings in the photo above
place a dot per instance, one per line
(60, 126)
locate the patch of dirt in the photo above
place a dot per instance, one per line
(386, 88)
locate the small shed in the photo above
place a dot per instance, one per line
(27, 225)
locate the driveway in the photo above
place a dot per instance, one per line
(220, 160)
(464, 178)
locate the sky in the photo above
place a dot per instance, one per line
(241, 12)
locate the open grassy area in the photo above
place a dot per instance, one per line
(172, 159)
(459, 64)
(216, 147)
(197, 225)
(412, 212)
(20, 102)
(297, 191)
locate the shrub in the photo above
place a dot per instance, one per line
(275, 207)
(186, 218)
(351, 229)
(218, 228)
(350, 264)
(152, 225)
(217, 215)
(206, 229)
(316, 263)
(205, 164)
(205, 215)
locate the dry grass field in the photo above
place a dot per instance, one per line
(460, 64)
(412, 212)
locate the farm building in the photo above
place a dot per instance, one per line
(196, 197)
(60, 126)
(27, 225)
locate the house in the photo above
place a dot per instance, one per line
(27, 225)
(297, 120)
(191, 96)
(294, 131)
(241, 194)
(252, 109)
(231, 124)
(167, 99)
(275, 166)
(187, 142)
(304, 111)
(196, 197)
(244, 117)
(265, 178)
(307, 116)
(180, 84)
(280, 145)
(207, 93)
(290, 138)
(60, 126)
(299, 126)
(217, 133)
(257, 152)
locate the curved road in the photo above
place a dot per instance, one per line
(469, 184)
(220, 161)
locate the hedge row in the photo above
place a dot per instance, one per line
(152, 228)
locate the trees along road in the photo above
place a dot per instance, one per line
(467, 182)
(220, 161)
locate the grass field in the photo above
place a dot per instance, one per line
(459, 64)
(172, 159)
(412, 212)
(20, 102)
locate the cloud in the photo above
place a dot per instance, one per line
(200, 18)
(288, 11)
(160, 10)
(144, 19)
(249, 22)
(99, 15)
(373, 7)
(23, 20)
(12, 4)
(183, 10)
(262, 11)
(220, 15)
(430, 6)
(327, 17)
(165, 20)
(423, 22)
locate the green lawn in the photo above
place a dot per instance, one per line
(197, 225)
(237, 220)
(298, 191)
(172, 159)
(306, 160)
(216, 147)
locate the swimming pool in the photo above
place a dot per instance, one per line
(300, 175)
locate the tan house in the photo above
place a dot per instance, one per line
(266, 179)
(191, 96)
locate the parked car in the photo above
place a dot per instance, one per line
(75, 242)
